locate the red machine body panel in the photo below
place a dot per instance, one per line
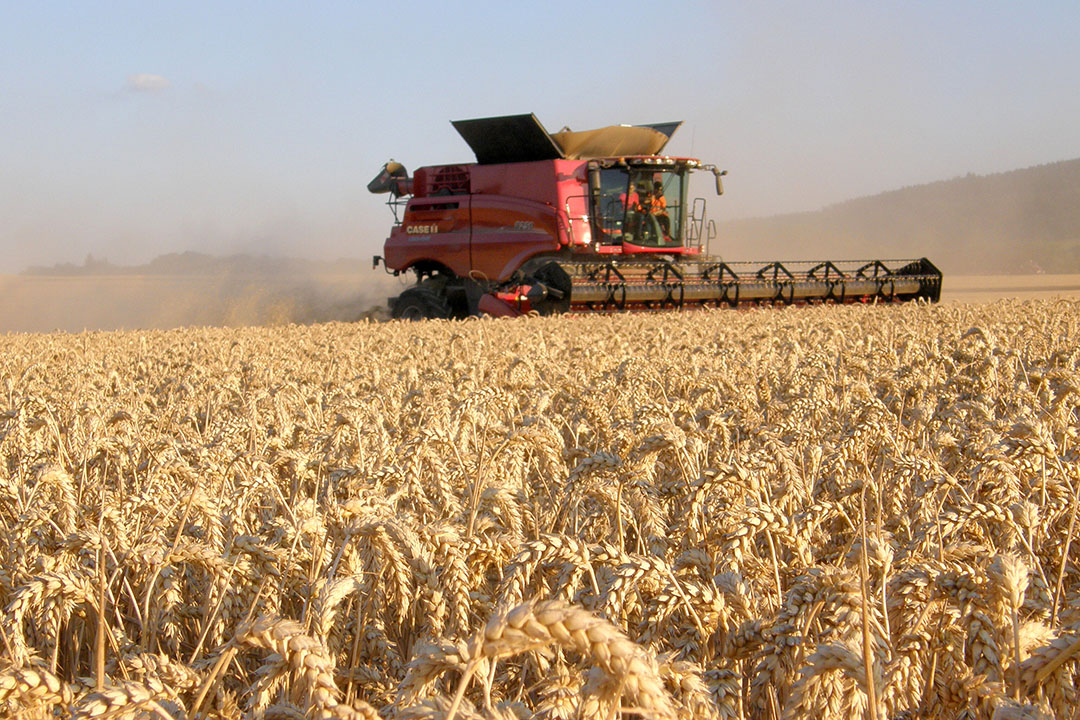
(628, 248)
(508, 231)
(435, 230)
(488, 219)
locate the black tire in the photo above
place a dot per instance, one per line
(420, 303)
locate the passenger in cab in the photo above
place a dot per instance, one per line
(658, 207)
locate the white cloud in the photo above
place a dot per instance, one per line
(147, 82)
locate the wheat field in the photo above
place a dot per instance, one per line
(828, 512)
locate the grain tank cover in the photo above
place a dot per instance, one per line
(521, 138)
(615, 140)
(507, 139)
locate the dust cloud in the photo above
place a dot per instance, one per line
(127, 300)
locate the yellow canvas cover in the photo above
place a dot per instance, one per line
(611, 141)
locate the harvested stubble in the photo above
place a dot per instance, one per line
(548, 517)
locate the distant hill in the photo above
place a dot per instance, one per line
(1022, 221)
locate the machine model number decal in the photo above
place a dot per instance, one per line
(422, 229)
(524, 225)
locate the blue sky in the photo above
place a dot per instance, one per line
(129, 129)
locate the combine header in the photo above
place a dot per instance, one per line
(589, 221)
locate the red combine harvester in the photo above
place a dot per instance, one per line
(596, 220)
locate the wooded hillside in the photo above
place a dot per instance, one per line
(1021, 221)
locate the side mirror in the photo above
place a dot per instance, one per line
(719, 183)
(717, 173)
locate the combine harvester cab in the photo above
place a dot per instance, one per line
(596, 221)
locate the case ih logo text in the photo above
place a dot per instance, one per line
(422, 229)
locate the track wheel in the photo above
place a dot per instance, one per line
(420, 303)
